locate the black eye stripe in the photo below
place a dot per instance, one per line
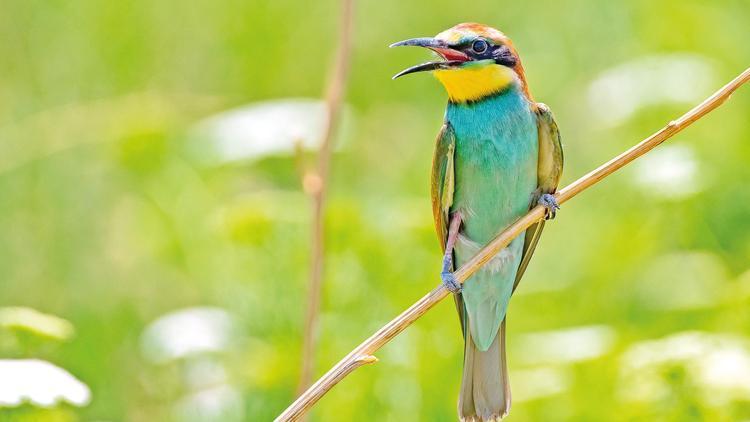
(501, 54)
(504, 56)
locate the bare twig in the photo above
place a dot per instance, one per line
(315, 184)
(364, 351)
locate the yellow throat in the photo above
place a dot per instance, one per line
(472, 83)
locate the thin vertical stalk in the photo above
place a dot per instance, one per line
(316, 185)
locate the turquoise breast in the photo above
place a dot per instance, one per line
(495, 161)
(496, 174)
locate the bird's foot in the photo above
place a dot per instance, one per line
(550, 204)
(447, 276)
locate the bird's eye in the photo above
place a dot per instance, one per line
(479, 46)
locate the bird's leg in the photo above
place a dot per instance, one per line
(449, 279)
(550, 204)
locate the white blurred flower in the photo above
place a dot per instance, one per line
(717, 364)
(261, 129)
(674, 78)
(39, 382)
(28, 319)
(187, 332)
(670, 171)
(565, 346)
(204, 371)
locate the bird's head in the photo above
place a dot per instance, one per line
(476, 61)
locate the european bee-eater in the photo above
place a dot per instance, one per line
(497, 155)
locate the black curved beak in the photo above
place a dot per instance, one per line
(421, 42)
(438, 46)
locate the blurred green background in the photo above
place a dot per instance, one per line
(155, 249)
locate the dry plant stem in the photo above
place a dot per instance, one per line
(363, 353)
(316, 183)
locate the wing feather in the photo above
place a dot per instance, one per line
(443, 181)
(549, 170)
(442, 188)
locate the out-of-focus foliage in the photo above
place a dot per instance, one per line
(635, 306)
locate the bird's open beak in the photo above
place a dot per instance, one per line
(451, 57)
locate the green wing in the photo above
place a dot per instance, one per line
(443, 181)
(549, 171)
(442, 185)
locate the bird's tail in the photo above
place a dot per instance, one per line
(485, 390)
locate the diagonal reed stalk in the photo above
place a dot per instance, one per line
(362, 354)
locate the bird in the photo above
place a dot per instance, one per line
(497, 155)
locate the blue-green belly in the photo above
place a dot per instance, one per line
(496, 174)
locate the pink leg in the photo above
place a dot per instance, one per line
(446, 274)
(453, 232)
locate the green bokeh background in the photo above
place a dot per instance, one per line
(109, 221)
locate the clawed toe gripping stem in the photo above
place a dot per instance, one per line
(550, 204)
(449, 280)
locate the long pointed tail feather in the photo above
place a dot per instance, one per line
(485, 390)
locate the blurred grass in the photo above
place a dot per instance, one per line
(109, 223)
